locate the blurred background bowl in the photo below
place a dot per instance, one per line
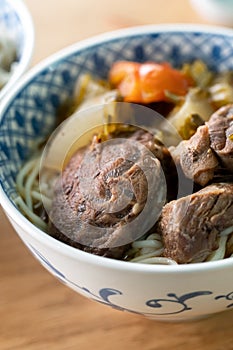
(28, 114)
(215, 11)
(16, 21)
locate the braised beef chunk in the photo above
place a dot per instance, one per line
(163, 154)
(196, 158)
(209, 150)
(220, 128)
(190, 225)
(102, 189)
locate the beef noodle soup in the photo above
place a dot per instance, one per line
(86, 209)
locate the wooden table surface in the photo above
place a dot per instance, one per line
(36, 311)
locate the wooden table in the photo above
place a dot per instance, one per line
(36, 311)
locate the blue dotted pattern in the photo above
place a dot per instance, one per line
(33, 110)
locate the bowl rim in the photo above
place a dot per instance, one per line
(29, 35)
(43, 238)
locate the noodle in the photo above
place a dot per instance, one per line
(37, 195)
(29, 184)
(219, 253)
(149, 251)
(153, 240)
(24, 171)
(30, 198)
(35, 219)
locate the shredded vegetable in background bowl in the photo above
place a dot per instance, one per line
(16, 42)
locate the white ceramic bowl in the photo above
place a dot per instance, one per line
(158, 292)
(215, 11)
(15, 19)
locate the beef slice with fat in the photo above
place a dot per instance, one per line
(190, 226)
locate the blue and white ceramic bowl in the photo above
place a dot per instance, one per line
(28, 113)
(15, 19)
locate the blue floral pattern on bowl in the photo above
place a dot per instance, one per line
(169, 304)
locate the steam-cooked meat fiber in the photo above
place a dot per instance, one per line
(190, 226)
(86, 196)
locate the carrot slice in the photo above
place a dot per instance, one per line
(147, 82)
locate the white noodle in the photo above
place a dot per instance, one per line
(41, 198)
(30, 196)
(30, 214)
(148, 250)
(20, 179)
(227, 231)
(155, 253)
(219, 253)
(149, 243)
(29, 183)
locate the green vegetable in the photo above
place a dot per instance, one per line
(184, 117)
(221, 91)
(199, 72)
